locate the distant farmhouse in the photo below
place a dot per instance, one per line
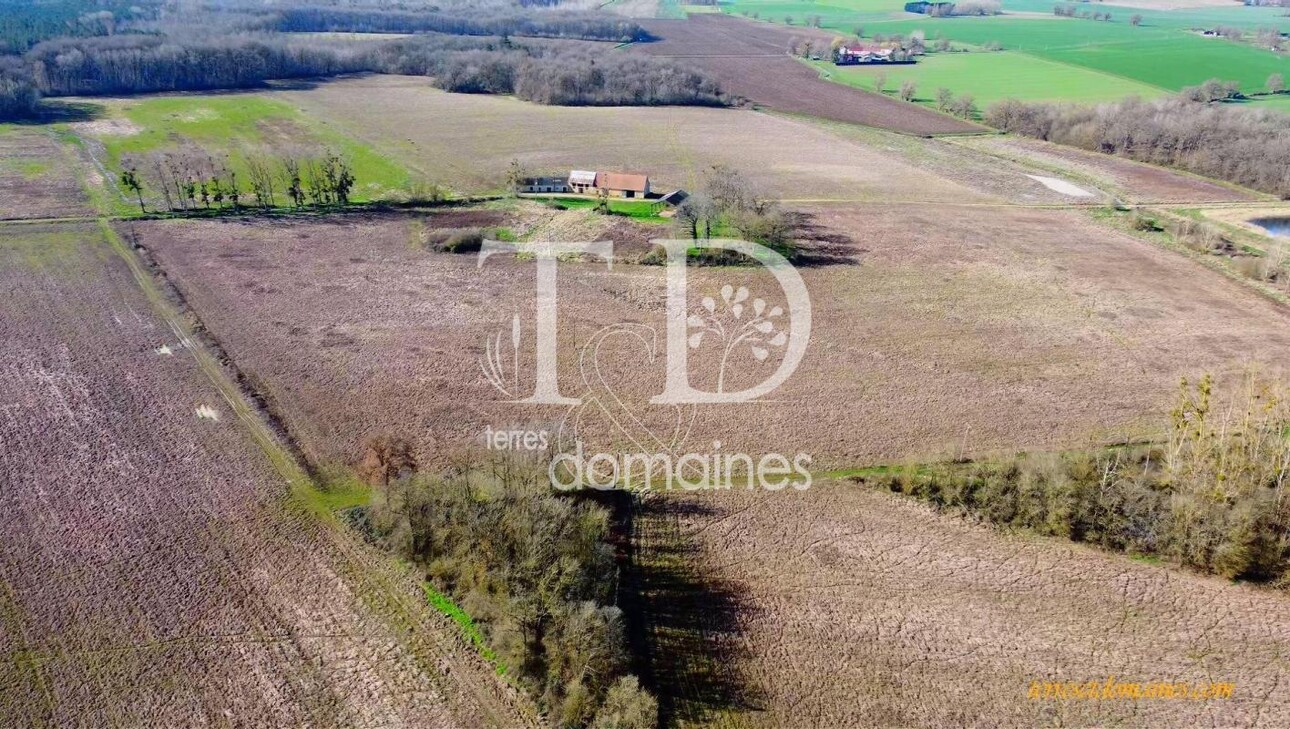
(853, 55)
(923, 7)
(625, 185)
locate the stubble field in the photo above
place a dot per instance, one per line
(156, 568)
(988, 329)
(467, 142)
(847, 607)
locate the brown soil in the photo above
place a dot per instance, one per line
(1132, 181)
(155, 571)
(38, 178)
(984, 329)
(468, 141)
(751, 60)
(847, 607)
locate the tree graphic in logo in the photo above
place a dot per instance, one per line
(493, 366)
(758, 332)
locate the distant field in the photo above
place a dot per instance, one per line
(1280, 102)
(1104, 60)
(468, 141)
(38, 177)
(230, 127)
(990, 77)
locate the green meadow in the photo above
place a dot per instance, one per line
(1052, 57)
(233, 128)
(991, 77)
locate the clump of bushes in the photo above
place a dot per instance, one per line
(728, 206)
(454, 240)
(1211, 495)
(534, 570)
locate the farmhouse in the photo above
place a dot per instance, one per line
(614, 184)
(930, 8)
(582, 182)
(853, 55)
(543, 184)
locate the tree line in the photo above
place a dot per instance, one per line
(1249, 147)
(547, 24)
(18, 94)
(141, 63)
(546, 73)
(535, 572)
(191, 179)
(1210, 495)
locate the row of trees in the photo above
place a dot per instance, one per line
(1246, 146)
(1072, 11)
(137, 63)
(547, 24)
(546, 73)
(1210, 495)
(550, 74)
(18, 95)
(192, 179)
(533, 568)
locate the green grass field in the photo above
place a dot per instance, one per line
(1056, 58)
(642, 210)
(235, 127)
(990, 77)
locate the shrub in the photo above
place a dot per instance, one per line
(454, 240)
(1143, 223)
(533, 570)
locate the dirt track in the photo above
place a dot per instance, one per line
(751, 60)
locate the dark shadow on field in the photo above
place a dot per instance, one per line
(59, 112)
(819, 245)
(683, 625)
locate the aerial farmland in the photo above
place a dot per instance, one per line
(754, 364)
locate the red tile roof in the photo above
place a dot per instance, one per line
(622, 181)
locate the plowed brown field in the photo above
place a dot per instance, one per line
(153, 569)
(846, 607)
(37, 178)
(751, 60)
(991, 328)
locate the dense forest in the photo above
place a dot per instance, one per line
(585, 26)
(1215, 139)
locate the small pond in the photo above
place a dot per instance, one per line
(1275, 226)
